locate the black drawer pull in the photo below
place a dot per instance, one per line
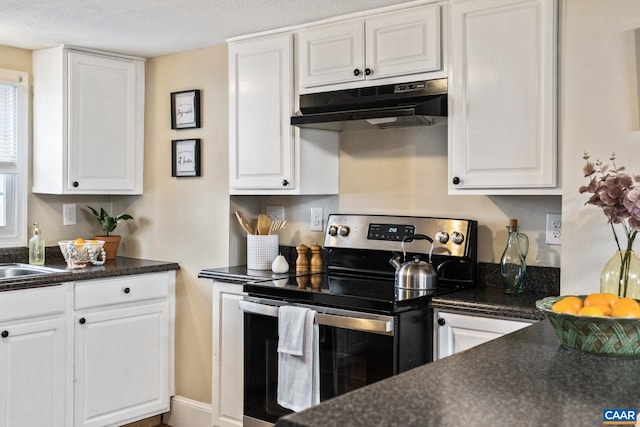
(442, 322)
(5, 334)
(127, 290)
(82, 320)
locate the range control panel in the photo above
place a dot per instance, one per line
(451, 237)
(393, 232)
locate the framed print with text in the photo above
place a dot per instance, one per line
(185, 109)
(185, 157)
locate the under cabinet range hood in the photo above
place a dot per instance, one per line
(396, 105)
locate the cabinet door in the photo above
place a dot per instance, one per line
(33, 366)
(121, 364)
(228, 351)
(502, 95)
(260, 108)
(103, 124)
(458, 332)
(331, 54)
(404, 42)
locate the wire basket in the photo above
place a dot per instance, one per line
(616, 336)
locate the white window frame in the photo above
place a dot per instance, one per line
(15, 232)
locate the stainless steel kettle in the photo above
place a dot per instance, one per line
(416, 274)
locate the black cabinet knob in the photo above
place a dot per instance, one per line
(82, 320)
(441, 321)
(127, 290)
(356, 72)
(76, 184)
(285, 183)
(367, 71)
(456, 180)
(5, 334)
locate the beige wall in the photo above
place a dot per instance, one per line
(185, 219)
(600, 115)
(404, 172)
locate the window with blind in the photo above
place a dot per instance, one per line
(14, 116)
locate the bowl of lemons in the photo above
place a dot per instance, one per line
(599, 323)
(81, 250)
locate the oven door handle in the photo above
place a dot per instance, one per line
(375, 324)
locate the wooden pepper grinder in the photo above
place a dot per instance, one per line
(302, 262)
(316, 259)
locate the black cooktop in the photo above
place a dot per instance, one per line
(343, 291)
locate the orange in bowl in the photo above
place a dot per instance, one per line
(626, 307)
(569, 304)
(599, 299)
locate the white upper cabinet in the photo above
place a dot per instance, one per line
(266, 154)
(260, 106)
(88, 122)
(387, 45)
(502, 97)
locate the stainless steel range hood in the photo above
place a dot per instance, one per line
(398, 105)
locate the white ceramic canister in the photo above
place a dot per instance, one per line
(261, 251)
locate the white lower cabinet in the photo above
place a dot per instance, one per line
(457, 332)
(90, 353)
(123, 349)
(33, 358)
(228, 355)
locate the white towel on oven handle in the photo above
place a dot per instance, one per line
(298, 358)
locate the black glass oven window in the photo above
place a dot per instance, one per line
(352, 359)
(348, 360)
(391, 232)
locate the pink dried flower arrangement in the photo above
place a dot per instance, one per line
(617, 193)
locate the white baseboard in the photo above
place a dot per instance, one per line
(188, 413)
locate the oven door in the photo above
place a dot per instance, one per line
(355, 349)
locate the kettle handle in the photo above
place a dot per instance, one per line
(417, 237)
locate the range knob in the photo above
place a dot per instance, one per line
(442, 237)
(332, 230)
(343, 230)
(457, 237)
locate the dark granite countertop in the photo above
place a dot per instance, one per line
(521, 379)
(492, 302)
(121, 266)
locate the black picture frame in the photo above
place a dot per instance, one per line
(185, 157)
(185, 109)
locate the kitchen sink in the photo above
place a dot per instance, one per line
(17, 270)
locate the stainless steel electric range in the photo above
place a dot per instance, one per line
(369, 329)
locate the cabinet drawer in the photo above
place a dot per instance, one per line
(118, 290)
(31, 302)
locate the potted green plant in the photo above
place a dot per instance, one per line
(108, 224)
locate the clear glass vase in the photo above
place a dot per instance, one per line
(621, 275)
(512, 263)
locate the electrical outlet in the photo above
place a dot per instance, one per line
(69, 214)
(316, 220)
(276, 213)
(554, 229)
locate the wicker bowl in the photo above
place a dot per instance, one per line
(84, 250)
(617, 336)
